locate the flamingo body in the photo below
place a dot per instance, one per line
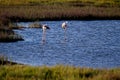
(64, 25)
(44, 28)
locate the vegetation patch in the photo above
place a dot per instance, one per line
(4, 61)
(58, 72)
(35, 25)
(7, 35)
(34, 10)
(11, 70)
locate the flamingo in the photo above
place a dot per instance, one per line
(64, 26)
(44, 28)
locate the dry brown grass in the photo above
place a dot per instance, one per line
(54, 12)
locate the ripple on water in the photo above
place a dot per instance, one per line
(89, 44)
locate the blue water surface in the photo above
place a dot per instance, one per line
(94, 44)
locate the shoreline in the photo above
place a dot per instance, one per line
(8, 63)
(81, 19)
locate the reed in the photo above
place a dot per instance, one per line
(58, 72)
(76, 2)
(56, 12)
(59, 9)
(7, 35)
(2, 59)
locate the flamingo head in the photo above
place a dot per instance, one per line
(46, 26)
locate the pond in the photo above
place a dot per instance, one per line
(94, 44)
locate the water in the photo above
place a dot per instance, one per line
(94, 44)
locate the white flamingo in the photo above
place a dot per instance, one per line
(44, 28)
(64, 26)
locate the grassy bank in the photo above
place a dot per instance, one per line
(74, 2)
(57, 12)
(59, 72)
(31, 10)
(13, 71)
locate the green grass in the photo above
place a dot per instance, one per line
(59, 72)
(13, 71)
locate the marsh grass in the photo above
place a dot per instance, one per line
(8, 71)
(58, 72)
(5, 61)
(7, 35)
(14, 26)
(57, 12)
(84, 2)
(35, 25)
(2, 59)
(33, 10)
